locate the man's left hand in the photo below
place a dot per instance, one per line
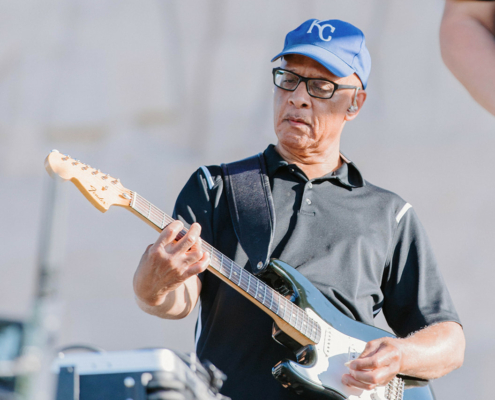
(376, 366)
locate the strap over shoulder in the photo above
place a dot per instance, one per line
(251, 208)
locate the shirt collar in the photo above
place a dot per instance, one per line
(348, 174)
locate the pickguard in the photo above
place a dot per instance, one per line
(333, 352)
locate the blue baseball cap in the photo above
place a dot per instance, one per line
(337, 45)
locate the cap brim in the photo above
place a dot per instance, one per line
(329, 60)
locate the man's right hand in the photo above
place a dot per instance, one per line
(166, 282)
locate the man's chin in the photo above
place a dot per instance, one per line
(302, 134)
(294, 142)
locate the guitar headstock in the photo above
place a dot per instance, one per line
(102, 190)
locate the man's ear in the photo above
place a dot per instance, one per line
(357, 102)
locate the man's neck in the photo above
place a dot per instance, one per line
(314, 165)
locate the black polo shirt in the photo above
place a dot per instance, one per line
(362, 246)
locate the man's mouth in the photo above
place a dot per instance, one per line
(297, 121)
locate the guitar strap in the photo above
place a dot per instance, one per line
(251, 208)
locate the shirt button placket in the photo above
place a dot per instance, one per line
(309, 186)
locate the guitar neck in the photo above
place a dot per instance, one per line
(237, 277)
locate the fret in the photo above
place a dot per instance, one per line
(249, 282)
(235, 273)
(297, 315)
(310, 327)
(298, 322)
(317, 332)
(239, 283)
(223, 269)
(304, 324)
(231, 268)
(284, 306)
(280, 308)
(232, 265)
(240, 277)
(264, 297)
(291, 311)
(256, 293)
(259, 287)
(271, 303)
(149, 212)
(218, 262)
(292, 314)
(301, 318)
(163, 223)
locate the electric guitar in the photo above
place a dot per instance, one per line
(322, 338)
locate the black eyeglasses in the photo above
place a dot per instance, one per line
(319, 88)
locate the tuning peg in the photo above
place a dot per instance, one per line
(55, 151)
(104, 177)
(96, 171)
(115, 181)
(66, 157)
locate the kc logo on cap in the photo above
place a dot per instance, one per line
(321, 29)
(337, 45)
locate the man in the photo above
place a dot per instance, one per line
(467, 42)
(361, 246)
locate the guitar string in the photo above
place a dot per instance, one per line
(156, 216)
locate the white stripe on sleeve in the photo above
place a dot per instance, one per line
(209, 179)
(399, 216)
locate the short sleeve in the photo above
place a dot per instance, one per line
(415, 294)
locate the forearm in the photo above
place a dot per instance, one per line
(432, 352)
(428, 354)
(467, 41)
(176, 304)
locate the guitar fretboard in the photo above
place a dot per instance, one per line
(264, 295)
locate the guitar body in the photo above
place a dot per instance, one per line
(321, 366)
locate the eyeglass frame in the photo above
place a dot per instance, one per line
(304, 79)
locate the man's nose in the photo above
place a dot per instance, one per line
(300, 97)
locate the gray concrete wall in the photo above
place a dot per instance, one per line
(149, 90)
